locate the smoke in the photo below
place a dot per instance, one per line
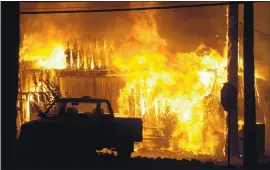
(183, 29)
(145, 27)
(180, 30)
(69, 25)
(40, 32)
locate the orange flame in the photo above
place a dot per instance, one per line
(186, 85)
(56, 60)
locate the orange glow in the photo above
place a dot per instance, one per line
(157, 84)
(160, 84)
(56, 60)
(85, 62)
(92, 64)
(28, 101)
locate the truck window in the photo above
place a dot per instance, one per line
(82, 107)
(104, 108)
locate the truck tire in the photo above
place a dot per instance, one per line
(26, 151)
(124, 151)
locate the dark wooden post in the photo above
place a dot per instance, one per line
(267, 127)
(233, 76)
(10, 63)
(250, 144)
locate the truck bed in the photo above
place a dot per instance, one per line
(131, 127)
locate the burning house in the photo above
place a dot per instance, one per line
(177, 95)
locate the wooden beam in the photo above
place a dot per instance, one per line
(233, 75)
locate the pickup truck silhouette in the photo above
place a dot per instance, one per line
(73, 127)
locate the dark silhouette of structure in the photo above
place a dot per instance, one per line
(233, 76)
(69, 128)
(10, 50)
(250, 149)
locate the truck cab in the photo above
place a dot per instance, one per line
(81, 124)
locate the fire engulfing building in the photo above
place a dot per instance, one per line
(176, 95)
(162, 109)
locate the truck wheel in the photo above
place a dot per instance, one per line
(124, 151)
(26, 152)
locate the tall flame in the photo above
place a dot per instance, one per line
(175, 85)
(182, 89)
(56, 60)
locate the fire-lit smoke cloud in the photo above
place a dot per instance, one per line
(40, 33)
(145, 27)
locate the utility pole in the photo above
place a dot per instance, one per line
(232, 73)
(250, 143)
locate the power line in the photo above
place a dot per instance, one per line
(263, 33)
(130, 9)
(123, 6)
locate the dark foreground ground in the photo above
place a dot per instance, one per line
(106, 161)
